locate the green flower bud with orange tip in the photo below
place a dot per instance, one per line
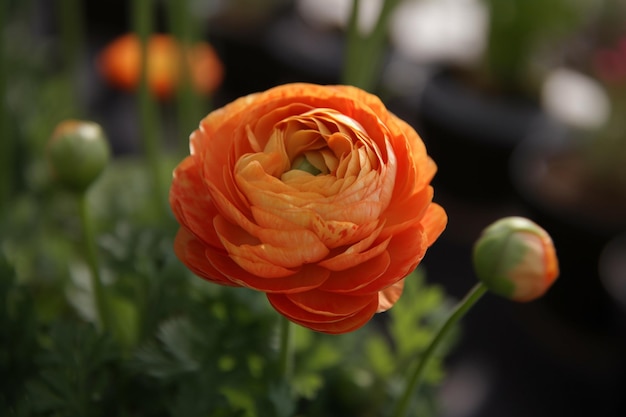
(515, 258)
(78, 152)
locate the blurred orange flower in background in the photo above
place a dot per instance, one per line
(120, 64)
(315, 195)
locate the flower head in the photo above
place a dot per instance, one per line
(315, 195)
(120, 64)
(78, 152)
(515, 258)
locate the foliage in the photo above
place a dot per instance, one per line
(189, 348)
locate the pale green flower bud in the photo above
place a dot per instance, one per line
(78, 152)
(515, 258)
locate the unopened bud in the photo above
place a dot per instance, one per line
(78, 152)
(515, 258)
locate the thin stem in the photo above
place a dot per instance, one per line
(89, 241)
(142, 21)
(286, 349)
(353, 45)
(7, 143)
(187, 103)
(365, 52)
(460, 310)
(71, 27)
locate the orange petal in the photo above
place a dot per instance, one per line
(388, 297)
(285, 306)
(191, 202)
(357, 253)
(330, 325)
(282, 248)
(329, 304)
(192, 252)
(306, 278)
(358, 276)
(407, 212)
(434, 222)
(406, 250)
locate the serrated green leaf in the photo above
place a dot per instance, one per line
(178, 337)
(173, 355)
(73, 372)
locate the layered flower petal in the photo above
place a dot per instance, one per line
(315, 195)
(321, 323)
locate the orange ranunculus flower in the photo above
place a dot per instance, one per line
(315, 195)
(120, 64)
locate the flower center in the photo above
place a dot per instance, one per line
(302, 163)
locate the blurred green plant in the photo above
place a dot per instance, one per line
(179, 346)
(199, 349)
(520, 31)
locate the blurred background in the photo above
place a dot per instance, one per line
(521, 103)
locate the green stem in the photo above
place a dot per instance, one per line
(7, 143)
(286, 349)
(142, 22)
(71, 28)
(187, 102)
(365, 52)
(463, 307)
(353, 45)
(89, 241)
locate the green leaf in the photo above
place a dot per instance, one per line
(74, 372)
(282, 400)
(240, 401)
(125, 325)
(307, 384)
(380, 357)
(18, 338)
(174, 354)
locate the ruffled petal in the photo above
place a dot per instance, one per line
(406, 250)
(326, 324)
(306, 278)
(359, 276)
(388, 297)
(328, 303)
(281, 248)
(359, 252)
(191, 202)
(434, 222)
(192, 252)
